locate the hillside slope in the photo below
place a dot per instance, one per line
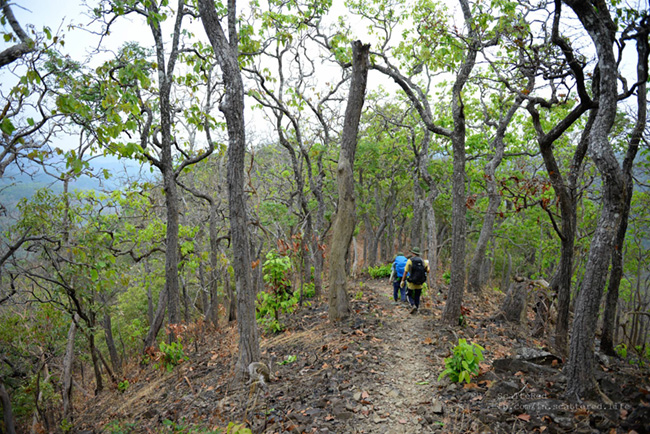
(378, 373)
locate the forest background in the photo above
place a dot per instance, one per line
(502, 138)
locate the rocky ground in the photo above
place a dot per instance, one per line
(378, 373)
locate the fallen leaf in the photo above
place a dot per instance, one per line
(428, 341)
(402, 421)
(365, 395)
(471, 386)
(524, 417)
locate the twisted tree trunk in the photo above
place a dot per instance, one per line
(339, 304)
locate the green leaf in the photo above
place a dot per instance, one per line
(7, 127)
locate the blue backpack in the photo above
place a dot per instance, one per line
(400, 263)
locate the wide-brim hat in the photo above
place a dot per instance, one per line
(415, 251)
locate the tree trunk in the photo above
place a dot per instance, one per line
(339, 304)
(513, 308)
(150, 311)
(232, 106)
(418, 214)
(451, 312)
(158, 319)
(68, 361)
(609, 319)
(7, 413)
(171, 245)
(110, 343)
(99, 384)
(580, 369)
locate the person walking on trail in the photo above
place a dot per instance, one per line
(397, 271)
(416, 269)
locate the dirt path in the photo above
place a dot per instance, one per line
(400, 397)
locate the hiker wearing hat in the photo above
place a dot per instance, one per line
(416, 269)
(397, 271)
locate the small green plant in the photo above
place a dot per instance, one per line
(380, 271)
(66, 426)
(358, 295)
(278, 298)
(447, 277)
(123, 386)
(237, 428)
(621, 350)
(288, 359)
(172, 355)
(463, 363)
(116, 427)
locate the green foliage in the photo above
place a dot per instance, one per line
(116, 427)
(183, 428)
(123, 386)
(358, 295)
(172, 355)
(289, 359)
(276, 271)
(463, 363)
(380, 271)
(621, 350)
(278, 298)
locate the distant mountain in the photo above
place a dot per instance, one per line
(16, 185)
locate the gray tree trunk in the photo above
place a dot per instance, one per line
(226, 51)
(580, 368)
(609, 317)
(513, 308)
(339, 304)
(158, 319)
(110, 344)
(451, 312)
(68, 361)
(7, 413)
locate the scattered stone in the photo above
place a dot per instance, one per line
(436, 407)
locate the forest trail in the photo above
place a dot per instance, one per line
(377, 372)
(404, 384)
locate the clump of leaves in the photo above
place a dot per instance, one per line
(380, 271)
(172, 355)
(123, 386)
(289, 359)
(278, 298)
(463, 363)
(621, 350)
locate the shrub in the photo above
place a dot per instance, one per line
(172, 355)
(463, 363)
(381, 271)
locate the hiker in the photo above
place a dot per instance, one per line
(396, 273)
(416, 268)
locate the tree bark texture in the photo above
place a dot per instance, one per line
(232, 106)
(513, 308)
(7, 412)
(451, 312)
(609, 317)
(110, 344)
(580, 368)
(68, 361)
(26, 45)
(158, 319)
(343, 228)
